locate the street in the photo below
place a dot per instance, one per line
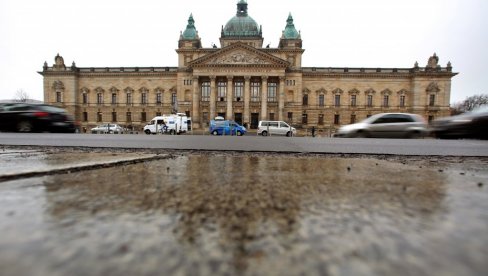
(252, 143)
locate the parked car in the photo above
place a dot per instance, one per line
(226, 127)
(387, 125)
(31, 117)
(266, 128)
(472, 124)
(108, 128)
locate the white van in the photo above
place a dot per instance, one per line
(172, 124)
(266, 128)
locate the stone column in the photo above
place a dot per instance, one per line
(213, 96)
(247, 100)
(230, 98)
(264, 98)
(281, 99)
(195, 116)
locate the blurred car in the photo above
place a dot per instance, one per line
(108, 128)
(387, 125)
(31, 117)
(472, 124)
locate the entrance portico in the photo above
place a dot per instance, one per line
(231, 95)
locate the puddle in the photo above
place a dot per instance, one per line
(247, 214)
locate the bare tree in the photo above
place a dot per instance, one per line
(470, 103)
(21, 96)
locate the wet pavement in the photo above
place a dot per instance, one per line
(194, 213)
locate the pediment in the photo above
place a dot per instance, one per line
(239, 54)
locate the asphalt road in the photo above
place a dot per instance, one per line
(421, 147)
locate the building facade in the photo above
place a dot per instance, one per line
(245, 82)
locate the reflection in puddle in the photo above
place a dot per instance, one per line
(246, 214)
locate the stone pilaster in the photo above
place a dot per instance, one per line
(230, 98)
(213, 96)
(264, 98)
(281, 99)
(196, 104)
(247, 99)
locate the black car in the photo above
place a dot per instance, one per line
(472, 124)
(29, 117)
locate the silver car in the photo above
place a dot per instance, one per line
(108, 128)
(387, 125)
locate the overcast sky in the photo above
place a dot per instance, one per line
(335, 33)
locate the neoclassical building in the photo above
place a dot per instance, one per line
(246, 82)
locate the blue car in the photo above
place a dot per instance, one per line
(226, 127)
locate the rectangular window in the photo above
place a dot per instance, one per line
(304, 119)
(143, 98)
(386, 100)
(128, 117)
(321, 100)
(158, 98)
(305, 100)
(129, 98)
(114, 98)
(99, 98)
(337, 100)
(85, 116)
(85, 98)
(143, 116)
(221, 91)
(271, 116)
(321, 119)
(370, 100)
(432, 100)
(353, 100)
(114, 116)
(255, 91)
(205, 118)
(158, 113)
(337, 119)
(173, 99)
(99, 116)
(272, 88)
(353, 118)
(58, 97)
(205, 91)
(238, 91)
(290, 116)
(402, 101)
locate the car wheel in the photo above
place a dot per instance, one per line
(288, 134)
(172, 132)
(147, 131)
(24, 126)
(215, 132)
(264, 133)
(238, 133)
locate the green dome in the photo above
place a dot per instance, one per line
(190, 31)
(241, 24)
(290, 32)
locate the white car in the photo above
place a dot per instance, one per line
(108, 128)
(387, 125)
(266, 128)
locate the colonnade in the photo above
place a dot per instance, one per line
(246, 105)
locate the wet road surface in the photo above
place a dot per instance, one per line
(250, 214)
